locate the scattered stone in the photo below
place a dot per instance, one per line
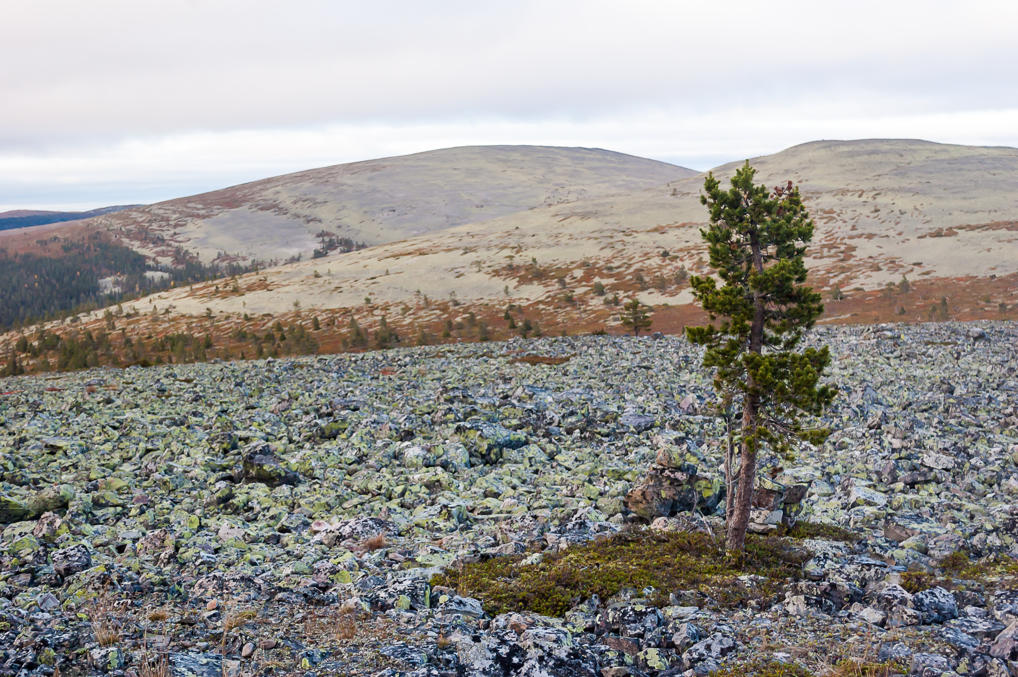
(324, 489)
(936, 605)
(1005, 645)
(262, 465)
(71, 560)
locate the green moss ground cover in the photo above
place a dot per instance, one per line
(666, 562)
(847, 668)
(958, 571)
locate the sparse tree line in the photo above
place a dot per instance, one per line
(84, 349)
(115, 345)
(330, 242)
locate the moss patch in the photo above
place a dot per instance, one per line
(845, 668)
(957, 571)
(855, 668)
(761, 668)
(666, 562)
(827, 532)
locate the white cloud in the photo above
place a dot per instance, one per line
(196, 94)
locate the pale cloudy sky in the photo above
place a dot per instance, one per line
(120, 101)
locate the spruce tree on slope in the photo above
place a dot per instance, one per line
(756, 240)
(635, 316)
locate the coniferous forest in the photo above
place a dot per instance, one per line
(66, 278)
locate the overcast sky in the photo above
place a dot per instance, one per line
(112, 102)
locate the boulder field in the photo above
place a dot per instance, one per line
(307, 516)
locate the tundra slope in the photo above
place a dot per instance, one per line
(383, 200)
(303, 505)
(944, 217)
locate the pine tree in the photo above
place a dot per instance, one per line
(635, 316)
(756, 240)
(356, 336)
(13, 367)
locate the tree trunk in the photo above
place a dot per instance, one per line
(736, 539)
(729, 469)
(737, 525)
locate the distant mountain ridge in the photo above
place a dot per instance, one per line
(383, 200)
(26, 218)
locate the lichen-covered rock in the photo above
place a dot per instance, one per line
(71, 560)
(382, 469)
(936, 605)
(710, 650)
(262, 465)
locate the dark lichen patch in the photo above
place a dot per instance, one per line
(636, 559)
(829, 532)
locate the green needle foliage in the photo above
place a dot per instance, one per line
(635, 316)
(759, 314)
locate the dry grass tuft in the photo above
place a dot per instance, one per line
(158, 615)
(154, 666)
(376, 542)
(106, 626)
(237, 619)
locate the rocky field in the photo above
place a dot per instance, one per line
(463, 510)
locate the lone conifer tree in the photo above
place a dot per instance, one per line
(635, 316)
(756, 242)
